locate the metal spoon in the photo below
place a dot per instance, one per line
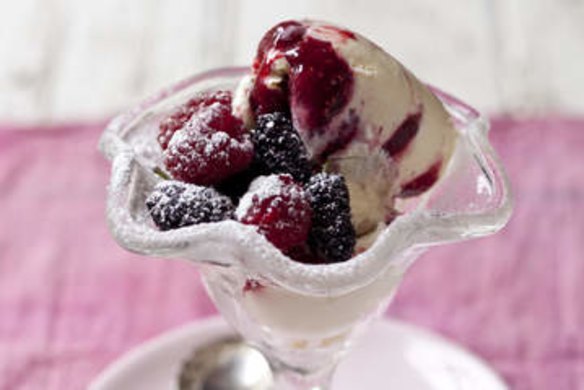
(226, 364)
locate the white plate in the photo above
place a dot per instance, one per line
(392, 355)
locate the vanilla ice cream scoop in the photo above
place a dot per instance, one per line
(357, 109)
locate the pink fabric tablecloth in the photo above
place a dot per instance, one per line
(71, 301)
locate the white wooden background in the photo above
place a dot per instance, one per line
(79, 59)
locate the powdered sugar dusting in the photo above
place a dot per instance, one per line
(239, 245)
(202, 155)
(215, 146)
(174, 204)
(280, 209)
(260, 189)
(263, 188)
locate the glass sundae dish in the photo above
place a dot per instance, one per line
(300, 253)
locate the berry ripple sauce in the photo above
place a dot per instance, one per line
(317, 85)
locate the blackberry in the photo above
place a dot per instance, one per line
(173, 204)
(332, 235)
(279, 148)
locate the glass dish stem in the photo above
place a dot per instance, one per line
(289, 378)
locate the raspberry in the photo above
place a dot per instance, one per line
(221, 102)
(279, 208)
(173, 204)
(211, 146)
(332, 235)
(279, 148)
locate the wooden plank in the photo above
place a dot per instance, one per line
(541, 55)
(27, 42)
(101, 66)
(187, 37)
(73, 59)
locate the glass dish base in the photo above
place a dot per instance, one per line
(391, 355)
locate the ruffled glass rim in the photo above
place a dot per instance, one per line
(230, 243)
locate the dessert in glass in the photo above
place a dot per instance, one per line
(303, 188)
